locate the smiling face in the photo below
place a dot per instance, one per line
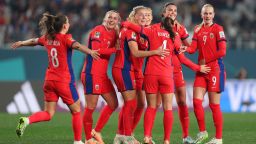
(207, 14)
(149, 17)
(141, 16)
(170, 11)
(111, 20)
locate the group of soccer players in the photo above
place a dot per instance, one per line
(162, 44)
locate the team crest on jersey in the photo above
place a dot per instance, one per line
(97, 87)
(97, 35)
(222, 35)
(133, 35)
(211, 35)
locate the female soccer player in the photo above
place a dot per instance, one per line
(142, 16)
(170, 10)
(209, 39)
(59, 80)
(123, 75)
(94, 75)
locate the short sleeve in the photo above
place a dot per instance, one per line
(41, 40)
(69, 40)
(131, 35)
(96, 34)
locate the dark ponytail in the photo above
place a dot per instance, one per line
(46, 26)
(167, 24)
(50, 24)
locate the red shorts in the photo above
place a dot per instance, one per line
(139, 77)
(96, 84)
(54, 89)
(178, 79)
(212, 82)
(155, 84)
(124, 79)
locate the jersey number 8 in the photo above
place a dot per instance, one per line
(54, 54)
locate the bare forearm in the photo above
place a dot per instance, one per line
(30, 42)
(81, 48)
(144, 53)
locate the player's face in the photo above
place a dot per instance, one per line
(140, 17)
(170, 11)
(112, 20)
(207, 15)
(149, 17)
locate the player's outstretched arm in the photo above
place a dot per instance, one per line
(201, 68)
(86, 50)
(29, 42)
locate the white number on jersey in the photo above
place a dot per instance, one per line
(54, 54)
(214, 80)
(164, 46)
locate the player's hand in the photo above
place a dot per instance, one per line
(205, 69)
(162, 52)
(95, 54)
(16, 44)
(183, 49)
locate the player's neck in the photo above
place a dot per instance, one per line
(208, 24)
(63, 31)
(108, 29)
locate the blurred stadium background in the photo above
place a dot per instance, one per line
(22, 71)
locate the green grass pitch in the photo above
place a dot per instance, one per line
(239, 128)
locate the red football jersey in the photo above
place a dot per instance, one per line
(59, 57)
(156, 65)
(209, 42)
(182, 32)
(123, 57)
(142, 41)
(104, 41)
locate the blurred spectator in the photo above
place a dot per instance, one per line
(18, 18)
(242, 74)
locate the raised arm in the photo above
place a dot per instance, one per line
(29, 42)
(137, 28)
(76, 45)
